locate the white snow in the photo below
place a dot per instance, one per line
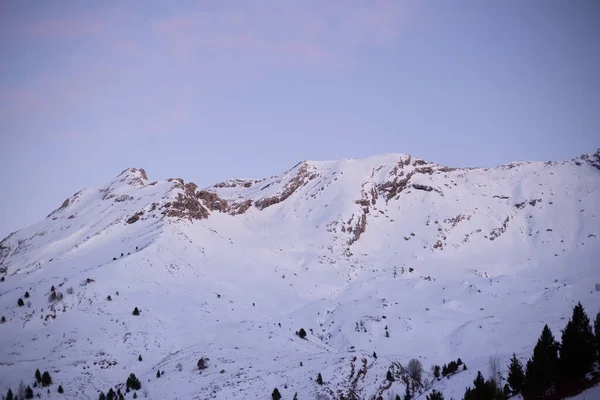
(220, 287)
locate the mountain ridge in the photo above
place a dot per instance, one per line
(365, 255)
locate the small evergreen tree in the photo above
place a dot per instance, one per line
(577, 352)
(295, 396)
(374, 355)
(136, 311)
(101, 396)
(202, 363)
(20, 302)
(38, 376)
(389, 376)
(319, 379)
(29, 393)
(135, 395)
(9, 394)
(596, 333)
(3, 320)
(46, 379)
(436, 371)
(140, 357)
(435, 395)
(516, 376)
(158, 374)
(276, 395)
(111, 394)
(60, 389)
(26, 295)
(301, 333)
(133, 382)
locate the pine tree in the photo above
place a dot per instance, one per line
(3, 320)
(302, 333)
(20, 302)
(133, 382)
(516, 376)
(140, 357)
(46, 379)
(158, 374)
(319, 379)
(276, 395)
(577, 352)
(60, 389)
(597, 335)
(101, 396)
(111, 394)
(295, 396)
(135, 395)
(9, 395)
(38, 376)
(436, 371)
(374, 355)
(389, 376)
(435, 395)
(541, 371)
(26, 295)
(136, 311)
(29, 393)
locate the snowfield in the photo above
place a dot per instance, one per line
(389, 254)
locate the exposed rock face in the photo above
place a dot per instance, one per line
(304, 175)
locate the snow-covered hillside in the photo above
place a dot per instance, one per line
(389, 254)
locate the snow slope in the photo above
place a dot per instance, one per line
(449, 262)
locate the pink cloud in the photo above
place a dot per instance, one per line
(304, 31)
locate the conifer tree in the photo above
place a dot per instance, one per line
(276, 395)
(136, 311)
(389, 376)
(46, 379)
(111, 394)
(542, 367)
(26, 295)
(516, 375)
(577, 351)
(158, 374)
(101, 396)
(597, 334)
(29, 393)
(20, 302)
(319, 379)
(435, 395)
(60, 389)
(133, 382)
(9, 395)
(38, 376)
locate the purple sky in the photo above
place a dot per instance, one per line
(207, 91)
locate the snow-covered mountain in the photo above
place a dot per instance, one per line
(389, 254)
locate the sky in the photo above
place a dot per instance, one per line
(212, 90)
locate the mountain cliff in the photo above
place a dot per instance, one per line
(390, 254)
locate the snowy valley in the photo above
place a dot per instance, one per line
(391, 255)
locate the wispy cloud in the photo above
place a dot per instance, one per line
(302, 31)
